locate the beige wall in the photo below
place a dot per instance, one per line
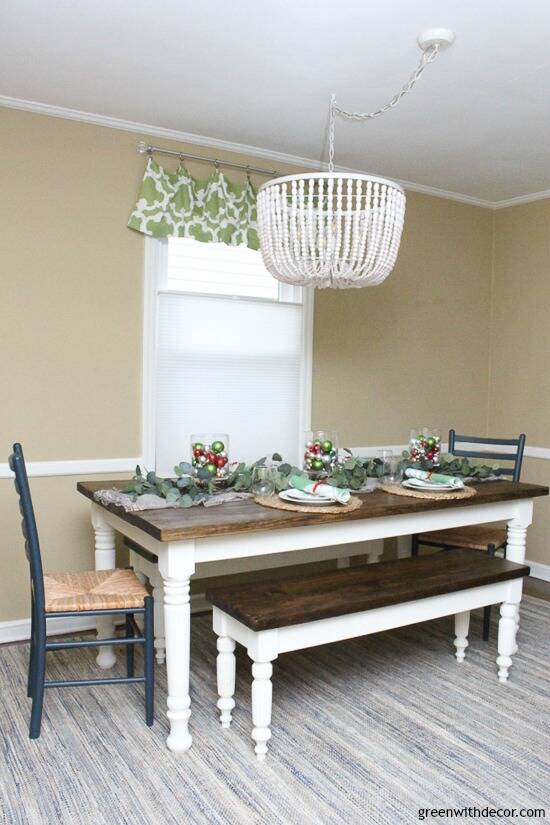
(414, 350)
(519, 396)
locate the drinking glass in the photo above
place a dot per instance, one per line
(384, 456)
(393, 470)
(262, 482)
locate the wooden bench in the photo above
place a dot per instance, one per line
(291, 614)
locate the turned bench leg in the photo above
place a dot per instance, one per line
(507, 628)
(261, 706)
(225, 666)
(462, 623)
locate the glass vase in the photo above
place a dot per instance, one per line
(425, 445)
(320, 452)
(210, 452)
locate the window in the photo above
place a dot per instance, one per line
(228, 350)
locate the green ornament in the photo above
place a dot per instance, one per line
(317, 464)
(218, 446)
(431, 442)
(211, 468)
(326, 446)
(198, 446)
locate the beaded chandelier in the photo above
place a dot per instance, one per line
(338, 229)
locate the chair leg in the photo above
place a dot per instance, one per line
(225, 670)
(414, 546)
(37, 688)
(32, 666)
(129, 648)
(487, 610)
(149, 633)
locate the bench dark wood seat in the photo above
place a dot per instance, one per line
(296, 613)
(308, 598)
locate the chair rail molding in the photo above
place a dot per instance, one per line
(75, 467)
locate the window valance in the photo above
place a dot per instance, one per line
(174, 204)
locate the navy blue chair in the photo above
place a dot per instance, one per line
(93, 593)
(487, 538)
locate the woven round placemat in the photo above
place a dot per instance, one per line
(398, 490)
(278, 504)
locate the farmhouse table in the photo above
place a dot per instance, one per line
(182, 539)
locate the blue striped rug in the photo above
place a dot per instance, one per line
(366, 731)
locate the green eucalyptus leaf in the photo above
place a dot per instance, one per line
(285, 469)
(276, 457)
(185, 501)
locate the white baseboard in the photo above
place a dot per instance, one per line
(539, 570)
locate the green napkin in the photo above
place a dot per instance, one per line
(321, 489)
(434, 478)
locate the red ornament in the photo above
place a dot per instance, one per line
(198, 453)
(316, 448)
(211, 457)
(221, 461)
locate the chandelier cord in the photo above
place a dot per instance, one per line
(428, 56)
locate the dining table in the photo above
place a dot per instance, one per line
(181, 539)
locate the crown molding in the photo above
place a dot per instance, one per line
(517, 201)
(148, 130)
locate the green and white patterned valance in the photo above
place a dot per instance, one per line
(176, 205)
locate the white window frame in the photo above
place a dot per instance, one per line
(155, 261)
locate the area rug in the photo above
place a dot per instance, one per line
(369, 731)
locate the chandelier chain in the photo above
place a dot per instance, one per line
(428, 56)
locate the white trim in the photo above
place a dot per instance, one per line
(537, 452)
(148, 130)
(154, 265)
(539, 570)
(519, 199)
(76, 467)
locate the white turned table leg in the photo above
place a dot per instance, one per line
(375, 549)
(176, 565)
(225, 668)
(506, 639)
(261, 706)
(158, 596)
(104, 560)
(462, 623)
(403, 547)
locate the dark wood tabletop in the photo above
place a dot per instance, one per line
(175, 524)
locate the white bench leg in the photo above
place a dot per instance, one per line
(158, 595)
(462, 623)
(507, 628)
(261, 706)
(515, 650)
(225, 667)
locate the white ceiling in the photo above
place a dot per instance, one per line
(260, 72)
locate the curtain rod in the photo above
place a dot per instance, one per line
(147, 149)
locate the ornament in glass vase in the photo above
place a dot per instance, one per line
(210, 452)
(425, 445)
(320, 452)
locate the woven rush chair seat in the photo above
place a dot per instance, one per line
(476, 537)
(93, 590)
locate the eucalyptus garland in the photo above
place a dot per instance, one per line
(191, 486)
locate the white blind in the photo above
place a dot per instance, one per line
(218, 269)
(227, 366)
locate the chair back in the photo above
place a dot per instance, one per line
(491, 454)
(28, 526)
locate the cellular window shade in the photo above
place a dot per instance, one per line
(227, 366)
